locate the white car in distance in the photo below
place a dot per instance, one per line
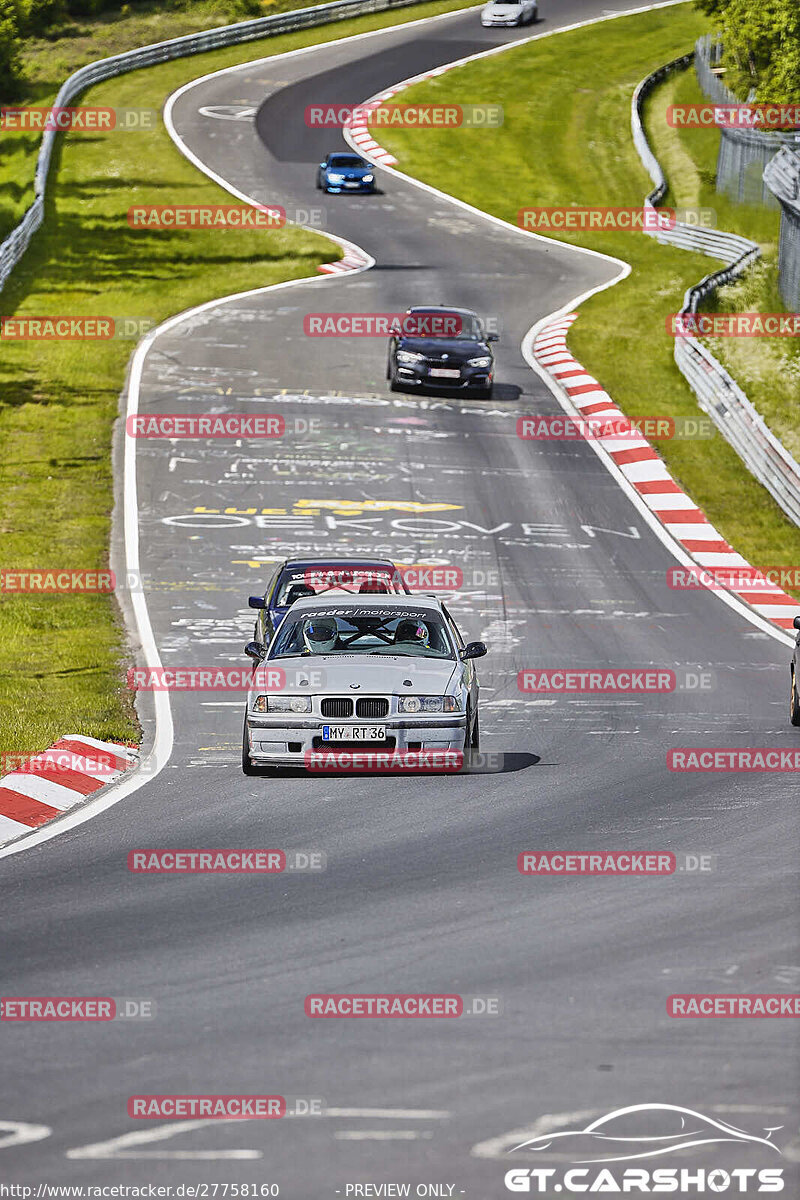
(505, 13)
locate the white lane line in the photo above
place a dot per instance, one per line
(17, 1133)
(380, 1135)
(421, 1114)
(125, 1145)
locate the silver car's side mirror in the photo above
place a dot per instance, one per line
(256, 650)
(473, 650)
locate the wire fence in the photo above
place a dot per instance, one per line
(743, 153)
(782, 176)
(15, 245)
(717, 392)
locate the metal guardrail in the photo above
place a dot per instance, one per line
(782, 177)
(15, 245)
(717, 392)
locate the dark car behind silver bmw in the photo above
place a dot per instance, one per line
(441, 347)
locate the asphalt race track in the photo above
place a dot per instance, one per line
(421, 891)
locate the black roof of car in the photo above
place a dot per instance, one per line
(295, 564)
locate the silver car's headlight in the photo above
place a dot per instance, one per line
(408, 356)
(427, 704)
(480, 362)
(295, 704)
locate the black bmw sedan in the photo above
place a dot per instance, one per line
(439, 347)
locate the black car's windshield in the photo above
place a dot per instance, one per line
(322, 580)
(346, 160)
(409, 633)
(460, 326)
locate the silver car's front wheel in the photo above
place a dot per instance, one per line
(247, 766)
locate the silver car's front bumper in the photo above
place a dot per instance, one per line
(290, 741)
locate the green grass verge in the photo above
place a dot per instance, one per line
(62, 657)
(768, 369)
(566, 140)
(49, 61)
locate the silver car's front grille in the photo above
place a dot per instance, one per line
(337, 706)
(372, 707)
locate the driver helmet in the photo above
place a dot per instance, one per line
(413, 631)
(319, 635)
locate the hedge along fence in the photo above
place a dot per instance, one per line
(743, 153)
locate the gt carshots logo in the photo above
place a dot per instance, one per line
(642, 1131)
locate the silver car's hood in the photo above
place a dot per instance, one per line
(375, 674)
(502, 10)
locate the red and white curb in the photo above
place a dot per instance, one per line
(353, 259)
(357, 132)
(52, 782)
(647, 473)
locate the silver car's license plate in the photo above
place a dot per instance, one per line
(354, 733)
(441, 373)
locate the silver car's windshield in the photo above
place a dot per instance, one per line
(392, 630)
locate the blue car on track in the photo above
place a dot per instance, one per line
(342, 172)
(294, 578)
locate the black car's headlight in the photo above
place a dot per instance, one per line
(408, 356)
(427, 704)
(483, 361)
(294, 704)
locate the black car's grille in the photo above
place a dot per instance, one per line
(337, 706)
(452, 364)
(372, 707)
